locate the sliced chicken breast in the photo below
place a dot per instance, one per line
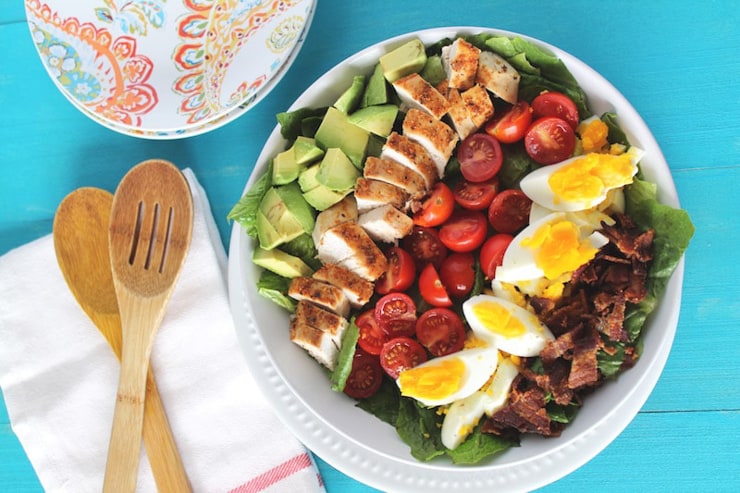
(349, 245)
(370, 194)
(416, 92)
(498, 76)
(479, 105)
(357, 290)
(343, 211)
(434, 135)
(386, 224)
(412, 155)
(321, 293)
(394, 173)
(329, 322)
(460, 62)
(315, 341)
(459, 115)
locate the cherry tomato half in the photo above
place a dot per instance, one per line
(553, 103)
(480, 157)
(436, 207)
(365, 377)
(475, 196)
(399, 354)
(400, 273)
(431, 287)
(492, 253)
(509, 211)
(371, 337)
(458, 273)
(441, 331)
(550, 140)
(425, 247)
(464, 231)
(511, 126)
(396, 314)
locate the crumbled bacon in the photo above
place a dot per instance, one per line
(588, 318)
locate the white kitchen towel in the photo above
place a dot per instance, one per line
(59, 379)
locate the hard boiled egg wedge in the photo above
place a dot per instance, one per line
(446, 379)
(506, 325)
(545, 253)
(581, 182)
(463, 415)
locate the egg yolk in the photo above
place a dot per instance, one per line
(432, 382)
(593, 135)
(558, 249)
(590, 176)
(498, 319)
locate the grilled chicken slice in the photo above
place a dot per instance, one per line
(370, 194)
(321, 293)
(459, 116)
(460, 62)
(394, 173)
(315, 341)
(343, 211)
(357, 290)
(415, 92)
(412, 155)
(329, 322)
(498, 76)
(349, 245)
(479, 105)
(434, 135)
(386, 224)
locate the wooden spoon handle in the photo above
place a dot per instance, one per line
(167, 467)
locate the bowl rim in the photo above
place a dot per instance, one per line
(385, 470)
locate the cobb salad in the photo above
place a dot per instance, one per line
(464, 247)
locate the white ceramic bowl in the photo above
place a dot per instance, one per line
(164, 70)
(369, 450)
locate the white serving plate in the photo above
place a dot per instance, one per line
(359, 444)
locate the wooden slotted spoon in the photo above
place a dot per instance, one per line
(149, 236)
(81, 245)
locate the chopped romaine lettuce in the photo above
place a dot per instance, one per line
(244, 212)
(346, 355)
(275, 288)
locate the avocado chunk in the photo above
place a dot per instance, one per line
(321, 197)
(307, 180)
(306, 151)
(281, 263)
(285, 168)
(336, 131)
(409, 58)
(267, 235)
(336, 171)
(376, 90)
(350, 99)
(433, 71)
(297, 206)
(376, 119)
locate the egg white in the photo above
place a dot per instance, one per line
(479, 363)
(530, 343)
(536, 186)
(463, 415)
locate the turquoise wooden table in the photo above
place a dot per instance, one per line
(676, 62)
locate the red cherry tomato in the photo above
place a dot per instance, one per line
(464, 231)
(436, 207)
(399, 354)
(554, 103)
(371, 337)
(475, 196)
(365, 377)
(431, 287)
(396, 314)
(509, 211)
(492, 253)
(400, 274)
(458, 274)
(550, 140)
(441, 331)
(425, 247)
(480, 157)
(512, 125)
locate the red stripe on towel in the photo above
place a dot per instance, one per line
(274, 475)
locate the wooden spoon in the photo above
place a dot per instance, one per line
(81, 244)
(149, 236)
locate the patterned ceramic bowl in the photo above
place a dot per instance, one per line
(162, 70)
